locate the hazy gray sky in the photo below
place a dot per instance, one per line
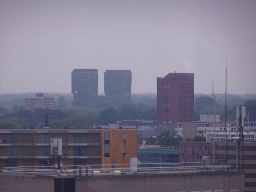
(42, 41)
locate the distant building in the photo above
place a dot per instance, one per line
(192, 153)
(175, 98)
(84, 86)
(32, 147)
(118, 83)
(159, 157)
(229, 153)
(39, 102)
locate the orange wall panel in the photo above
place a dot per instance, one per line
(132, 143)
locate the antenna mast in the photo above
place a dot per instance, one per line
(226, 98)
(214, 109)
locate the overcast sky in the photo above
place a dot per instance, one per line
(42, 41)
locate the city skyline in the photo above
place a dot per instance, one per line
(43, 41)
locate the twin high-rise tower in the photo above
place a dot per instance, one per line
(85, 85)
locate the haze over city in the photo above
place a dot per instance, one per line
(41, 42)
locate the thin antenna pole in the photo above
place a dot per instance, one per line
(226, 85)
(214, 109)
(226, 97)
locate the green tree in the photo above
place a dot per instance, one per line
(108, 115)
(3, 110)
(199, 138)
(16, 108)
(62, 104)
(165, 139)
(151, 140)
(13, 123)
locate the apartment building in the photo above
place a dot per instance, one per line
(31, 147)
(175, 98)
(192, 153)
(39, 102)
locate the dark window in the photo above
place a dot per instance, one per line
(79, 151)
(44, 151)
(80, 162)
(106, 135)
(79, 138)
(45, 138)
(11, 151)
(11, 163)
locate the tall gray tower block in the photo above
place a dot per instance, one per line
(84, 86)
(118, 83)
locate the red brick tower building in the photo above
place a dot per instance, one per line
(175, 98)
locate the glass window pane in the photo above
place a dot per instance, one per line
(76, 151)
(106, 136)
(15, 138)
(15, 151)
(42, 138)
(82, 151)
(76, 138)
(8, 138)
(106, 149)
(82, 138)
(41, 151)
(8, 151)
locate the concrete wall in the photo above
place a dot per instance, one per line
(26, 184)
(162, 183)
(128, 183)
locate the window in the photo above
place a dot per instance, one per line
(166, 116)
(198, 149)
(114, 162)
(79, 138)
(12, 138)
(11, 151)
(183, 149)
(79, 162)
(45, 138)
(11, 163)
(166, 86)
(183, 158)
(191, 159)
(124, 148)
(106, 135)
(107, 151)
(198, 158)
(124, 135)
(206, 150)
(191, 149)
(79, 151)
(44, 151)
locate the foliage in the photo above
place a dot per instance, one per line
(3, 110)
(88, 120)
(13, 123)
(165, 139)
(62, 104)
(198, 138)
